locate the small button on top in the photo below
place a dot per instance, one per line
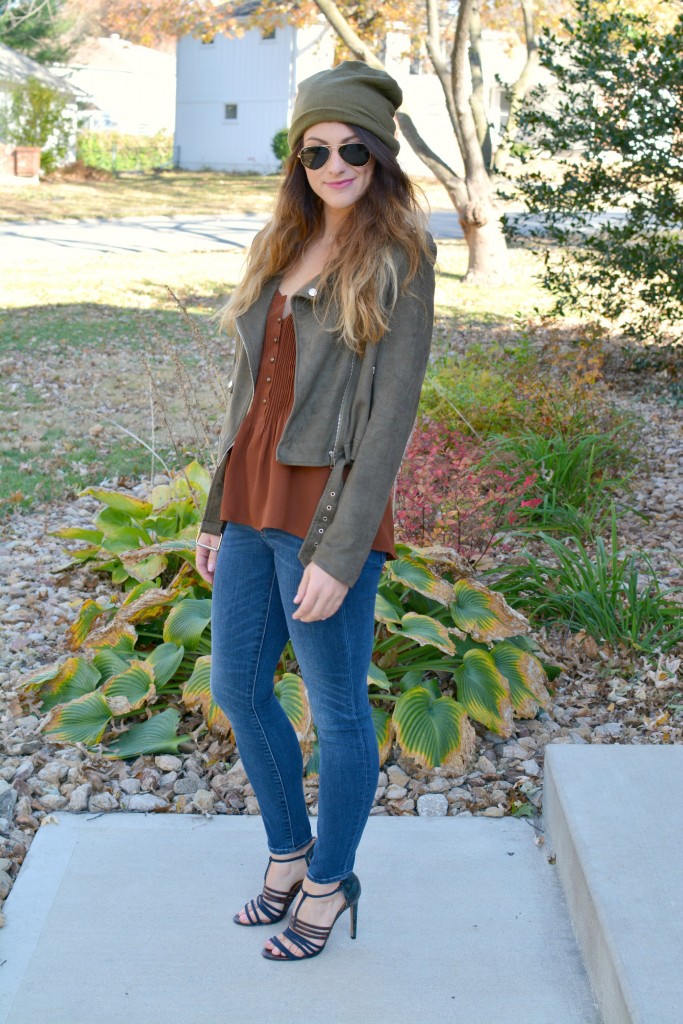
(272, 359)
(265, 400)
(312, 291)
(279, 319)
(268, 380)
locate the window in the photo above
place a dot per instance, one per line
(230, 112)
(267, 33)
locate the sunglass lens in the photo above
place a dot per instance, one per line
(314, 157)
(355, 153)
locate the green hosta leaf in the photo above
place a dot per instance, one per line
(424, 630)
(145, 568)
(119, 539)
(110, 519)
(160, 496)
(125, 644)
(414, 678)
(109, 663)
(131, 689)
(77, 533)
(197, 693)
(137, 590)
(431, 730)
(165, 661)
(378, 678)
(157, 735)
(383, 731)
(484, 613)
(58, 684)
(119, 575)
(484, 692)
(133, 507)
(80, 721)
(414, 573)
(526, 678)
(187, 621)
(313, 763)
(199, 476)
(387, 610)
(291, 693)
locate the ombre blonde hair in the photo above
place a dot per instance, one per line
(360, 284)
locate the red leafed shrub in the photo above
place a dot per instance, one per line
(447, 493)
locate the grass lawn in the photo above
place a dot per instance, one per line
(168, 193)
(75, 334)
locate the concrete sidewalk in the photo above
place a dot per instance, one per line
(126, 919)
(614, 816)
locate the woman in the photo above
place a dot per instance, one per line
(333, 320)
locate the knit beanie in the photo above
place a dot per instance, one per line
(352, 93)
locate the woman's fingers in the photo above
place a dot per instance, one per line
(206, 555)
(319, 595)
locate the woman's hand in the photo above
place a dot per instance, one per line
(205, 558)
(319, 595)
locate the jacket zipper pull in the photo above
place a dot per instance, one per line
(332, 459)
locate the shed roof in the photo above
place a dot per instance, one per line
(16, 68)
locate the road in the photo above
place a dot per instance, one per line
(25, 240)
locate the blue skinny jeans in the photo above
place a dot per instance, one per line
(257, 576)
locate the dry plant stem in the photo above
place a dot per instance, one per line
(159, 403)
(216, 373)
(189, 399)
(139, 440)
(152, 417)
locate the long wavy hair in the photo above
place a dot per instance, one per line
(362, 280)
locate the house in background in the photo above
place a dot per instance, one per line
(21, 162)
(234, 94)
(131, 88)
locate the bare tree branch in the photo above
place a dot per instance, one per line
(520, 88)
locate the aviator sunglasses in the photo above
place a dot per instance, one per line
(353, 153)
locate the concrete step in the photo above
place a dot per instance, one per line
(614, 816)
(126, 919)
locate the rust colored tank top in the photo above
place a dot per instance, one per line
(259, 491)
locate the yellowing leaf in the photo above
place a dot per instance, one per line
(197, 693)
(425, 631)
(134, 507)
(484, 692)
(431, 730)
(414, 573)
(483, 613)
(135, 684)
(526, 678)
(80, 721)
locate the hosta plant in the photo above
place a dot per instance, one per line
(447, 650)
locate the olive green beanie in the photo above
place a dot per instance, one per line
(352, 93)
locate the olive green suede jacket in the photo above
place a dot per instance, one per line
(348, 411)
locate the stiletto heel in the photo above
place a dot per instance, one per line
(265, 901)
(307, 937)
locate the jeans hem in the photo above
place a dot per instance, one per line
(290, 849)
(328, 881)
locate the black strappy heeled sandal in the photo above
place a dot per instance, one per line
(307, 937)
(264, 901)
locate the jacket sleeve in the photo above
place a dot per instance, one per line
(401, 364)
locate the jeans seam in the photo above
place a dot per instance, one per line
(255, 712)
